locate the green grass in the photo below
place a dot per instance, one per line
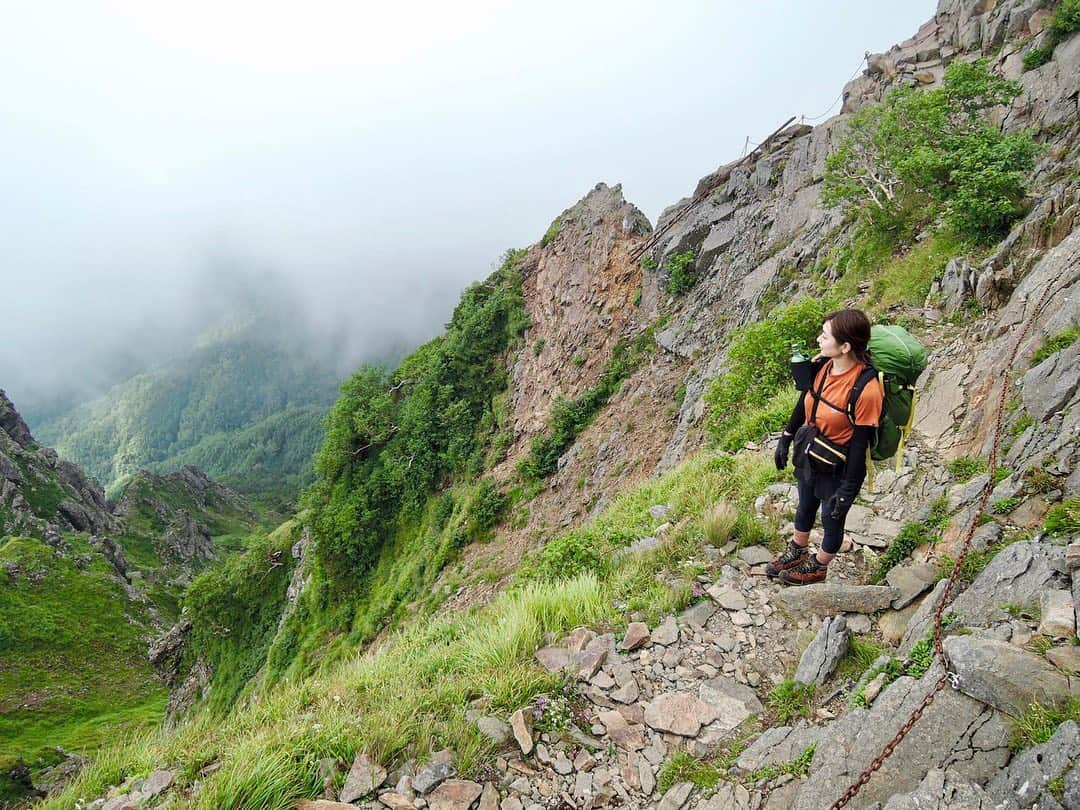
(894, 280)
(683, 767)
(1039, 723)
(800, 766)
(1037, 57)
(965, 468)
(408, 696)
(1005, 505)
(860, 656)
(1063, 518)
(706, 774)
(1056, 343)
(73, 668)
(43, 493)
(400, 702)
(911, 536)
(788, 701)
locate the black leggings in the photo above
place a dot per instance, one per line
(808, 506)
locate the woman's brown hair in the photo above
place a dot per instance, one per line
(851, 326)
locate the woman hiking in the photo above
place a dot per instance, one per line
(830, 445)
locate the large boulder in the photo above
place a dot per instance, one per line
(824, 653)
(828, 599)
(1005, 676)
(1019, 574)
(955, 732)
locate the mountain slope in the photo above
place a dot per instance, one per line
(540, 483)
(215, 407)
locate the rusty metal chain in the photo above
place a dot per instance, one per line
(939, 648)
(653, 240)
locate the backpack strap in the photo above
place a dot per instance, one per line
(869, 373)
(815, 391)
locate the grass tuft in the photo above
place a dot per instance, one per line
(790, 700)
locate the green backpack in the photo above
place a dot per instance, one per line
(897, 359)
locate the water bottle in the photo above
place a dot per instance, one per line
(801, 371)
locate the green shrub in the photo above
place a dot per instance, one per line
(392, 440)
(234, 610)
(552, 233)
(682, 273)
(1039, 481)
(920, 154)
(1037, 57)
(566, 557)
(1066, 20)
(911, 536)
(1062, 340)
(757, 372)
(1063, 518)
(965, 468)
(484, 508)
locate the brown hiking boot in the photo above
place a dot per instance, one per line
(791, 556)
(807, 572)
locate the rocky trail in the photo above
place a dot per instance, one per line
(644, 703)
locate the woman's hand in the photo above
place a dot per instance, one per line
(780, 457)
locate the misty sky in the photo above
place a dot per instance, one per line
(373, 157)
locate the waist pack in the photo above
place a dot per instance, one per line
(812, 450)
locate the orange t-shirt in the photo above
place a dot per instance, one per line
(833, 423)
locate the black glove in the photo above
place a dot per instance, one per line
(780, 457)
(838, 505)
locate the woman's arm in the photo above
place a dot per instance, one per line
(798, 417)
(854, 472)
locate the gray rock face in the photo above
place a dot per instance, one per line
(1024, 782)
(911, 581)
(942, 790)
(779, 745)
(697, 615)
(680, 713)
(1058, 614)
(431, 776)
(1005, 676)
(187, 541)
(494, 729)
(1018, 574)
(955, 732)
(12, 424)
(675, 798)
(828, 599)
(824, 652)
(1052, 384)
(167, 651)
(731, 701)
(921, 622)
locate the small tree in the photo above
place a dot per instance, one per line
(923, 154)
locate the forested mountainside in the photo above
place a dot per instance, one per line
(244, 406)
(529, 569)
(85, 587)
